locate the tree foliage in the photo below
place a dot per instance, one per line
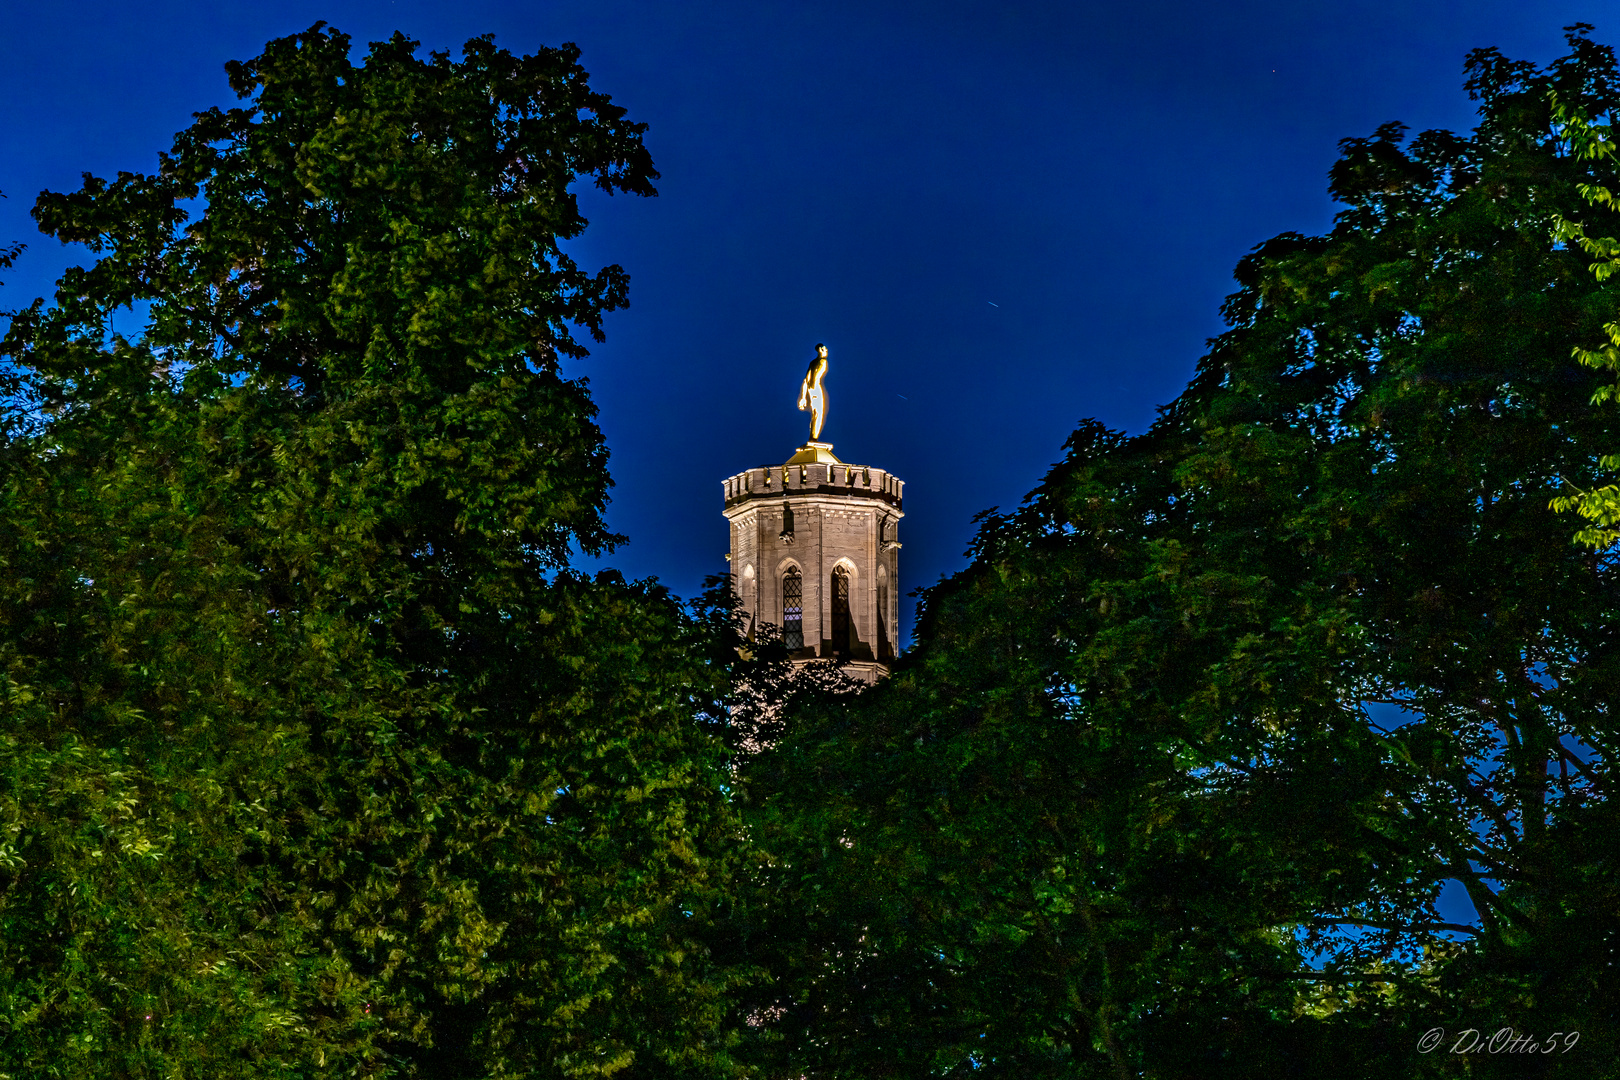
(318, 760)
(1594, 141)
(9, 251)
(1187, 758)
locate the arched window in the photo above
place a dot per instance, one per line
(750, 597)
(885, 650)
(840, 611)
(793, 609)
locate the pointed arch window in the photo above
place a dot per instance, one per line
(750, 597)
(793, 608)
(885, 650)
(840, 611)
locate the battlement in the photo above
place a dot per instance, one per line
(819, 478)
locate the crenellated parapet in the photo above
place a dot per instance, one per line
(814, 478)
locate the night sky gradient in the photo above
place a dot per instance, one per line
(1000, 217)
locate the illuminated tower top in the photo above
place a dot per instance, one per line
(815, 549)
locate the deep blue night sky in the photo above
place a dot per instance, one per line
(1000, 217)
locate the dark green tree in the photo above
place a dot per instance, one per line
(1173, 782)
(1600, 505)
(11, 386)
(10, 251)
(317, 759)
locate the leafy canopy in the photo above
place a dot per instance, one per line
(1595, 142)
(318, 760)
(1199, 765)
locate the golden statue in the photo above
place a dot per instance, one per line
(812, 398)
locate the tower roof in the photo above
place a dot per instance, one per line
(814, 453)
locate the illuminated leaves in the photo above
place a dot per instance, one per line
(318, 759)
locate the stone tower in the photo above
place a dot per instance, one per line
(815, 550)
